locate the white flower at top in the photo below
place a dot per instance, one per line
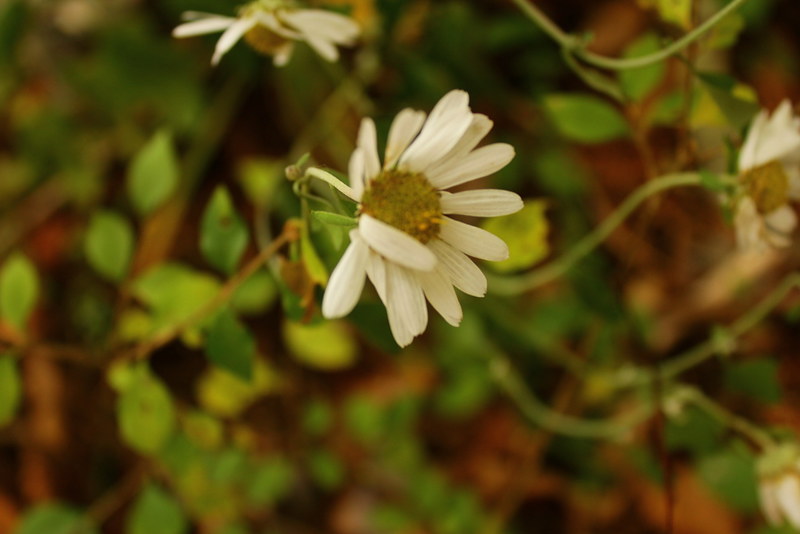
(769, 174)
(272, 27)
(405, 242)
(779, 485)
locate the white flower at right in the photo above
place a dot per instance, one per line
(769, 175)
(779, 485)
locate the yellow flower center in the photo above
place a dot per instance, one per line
(767, 185)
(259, 37)
(406, 201)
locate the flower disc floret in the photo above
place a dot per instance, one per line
(406, 201)
(767, 185)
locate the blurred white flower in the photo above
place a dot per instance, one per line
(779, 485)
(769, 174)
(405, 242)
(272, 27)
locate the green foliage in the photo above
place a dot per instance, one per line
(584, 118)
(638, 83)
(693, 430)
(109, 244)
(731, 474)
(54, 518)
(326, 345)
(255, 295)
(145, 412)
(223, 233)
(10, 389)
(153, 174)
(156, 512)
(19, 290)
(758, 379)
(525, 233)
(230, 345)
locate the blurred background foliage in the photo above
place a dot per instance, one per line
(135, 180)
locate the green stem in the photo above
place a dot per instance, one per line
(755, 315)
(331, 180)
(540, 414)
(728, 418)
(554, 269)
(573, 44)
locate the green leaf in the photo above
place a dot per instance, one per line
(334, 219)
(270, 481)
(54, 518)
(326, 469)
(153, 173)
(174, 292)
(585, 118)
(326, 345)
(316, 269)
(525, 232)
(109, 244)
(732, 475)
(19, 289)
(638, 83)
(10, 389)
(693, 430)
(757, 379)
(255, 295)
(156, 512)
(260, 178)
(230, 346)
(736, 102)
(223, 234)
(225, 395)
(145, 412)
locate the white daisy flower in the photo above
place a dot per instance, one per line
(271, 27)
(405, 242)
(779, 485)
(769, 174)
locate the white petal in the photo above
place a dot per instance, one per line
(201, 26)
(477, 164)
(748, 225)
(283, 54)
(405, 302)
(481, 202)
(234, 32)
(779, 225)
(324, 48)
(473, 241)
(793, 172)
(347, 280)
(197, 15)
(376, 271)
(770, 138)
(395, 245)
(461, 270)
(478, 128)
(270, 21)
(324, 24)
(368, 142)
(404, 129)
(788, 497)
(440, 293)
(356, 172)
(769, 503)
(445, 126)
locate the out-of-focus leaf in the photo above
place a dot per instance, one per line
(316, 269)
(255, 295)
(231, 346)
(585, 118)
(156, 512)
(145, 412)
(153, 173)
(326, 345)
(638, 83)
(693, 430)
(203, 430)
(224, 395)
(732, 475)
(727, 31)
(318, 418)
(678, 12)
(54, 518)
(174, 292)
(10, 389)
(109, 244)
(525, 233)
(270, 481)
(19, 290)
(364, 418)
(326, 469)
(724, 101)
(223, 234)
(260, 178)
(757, 379)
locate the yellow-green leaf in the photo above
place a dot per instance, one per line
(153, 174)
(109, 244)
(525, 232)
(19, 289)
(326, 345)
(10, 389)
(145, 412)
